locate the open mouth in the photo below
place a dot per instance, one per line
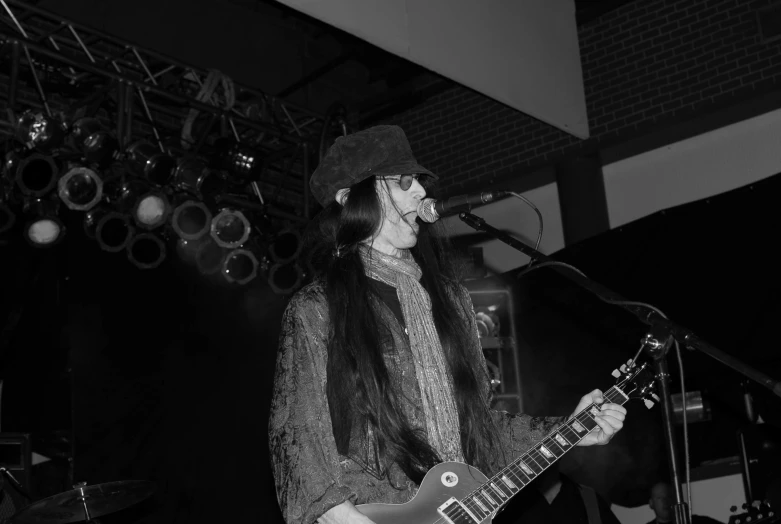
(411, 219)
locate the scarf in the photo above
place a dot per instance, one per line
(436, 388)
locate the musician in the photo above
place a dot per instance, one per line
(380, 374)
(661, 502)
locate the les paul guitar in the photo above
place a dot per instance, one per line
(456, 493)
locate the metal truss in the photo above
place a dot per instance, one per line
(162, 93)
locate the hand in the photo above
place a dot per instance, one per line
(610, 419)
(344, 513)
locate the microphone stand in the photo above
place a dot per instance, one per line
(661, 333)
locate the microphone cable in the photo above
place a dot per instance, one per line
(539, 218)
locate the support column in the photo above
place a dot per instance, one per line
(582, 198)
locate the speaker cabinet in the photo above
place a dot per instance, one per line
(494, 307)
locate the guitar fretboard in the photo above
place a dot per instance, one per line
(486, 500)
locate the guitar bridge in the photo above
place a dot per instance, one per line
(454, 512)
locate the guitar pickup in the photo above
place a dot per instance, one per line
(454, 512)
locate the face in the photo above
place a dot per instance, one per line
(399, 229)
(661, 502)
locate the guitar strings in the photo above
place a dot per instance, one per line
(611, 395)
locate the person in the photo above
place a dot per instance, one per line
(380, 374)
(554, 498)
(661, 502)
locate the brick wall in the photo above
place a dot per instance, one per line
(647, 64)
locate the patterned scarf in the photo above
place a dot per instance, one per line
(436, 389)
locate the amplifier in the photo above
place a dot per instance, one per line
(16, 459)
(494, 307)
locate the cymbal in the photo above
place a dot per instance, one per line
(101, 499)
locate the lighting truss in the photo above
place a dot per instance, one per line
(155, 91)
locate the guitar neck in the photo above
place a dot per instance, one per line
(515, 476)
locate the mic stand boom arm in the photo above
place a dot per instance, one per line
(650, 317)
(657, 342)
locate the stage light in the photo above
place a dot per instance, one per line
(80, 188)
(230, 228)
(44, 228)
(240, 266)
(186, 249)
(190, 174)
(147, 161)
(125, 192)
(285, 278)
(151, 210)
(209, 257)
(37, 174)
(39, 131)
(7, 218)
(111, 229)
(286, 245)
(96, 144)
(11, 163)
(239, 159)
(191, 220)
(146, 251)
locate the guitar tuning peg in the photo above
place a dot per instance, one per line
(648, 403)
(616, 373)
(623, 368)
(655, 396)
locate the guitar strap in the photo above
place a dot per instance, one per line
(590, 501)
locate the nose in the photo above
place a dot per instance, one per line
(417, 190)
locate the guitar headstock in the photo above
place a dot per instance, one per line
(759, 512)
(636, 381)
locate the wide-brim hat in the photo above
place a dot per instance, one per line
(377, 151)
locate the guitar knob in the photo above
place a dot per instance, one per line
(648, 403)
(616, 373)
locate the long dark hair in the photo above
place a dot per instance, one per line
(359, 388)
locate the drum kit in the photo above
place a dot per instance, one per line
(85, 503)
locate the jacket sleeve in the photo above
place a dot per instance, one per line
(517, 431)
(304, 459)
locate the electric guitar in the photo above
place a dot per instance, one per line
(456, 493)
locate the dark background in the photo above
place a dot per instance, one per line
(170, 373)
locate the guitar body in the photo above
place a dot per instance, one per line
(466, 496)
(442, 482)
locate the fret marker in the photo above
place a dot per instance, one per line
(499, 491)
(594, 411)
(526, 469)
(561, 440)
(479, 503)
(545, 451)
(577, 427)
(488, 497)
(509, 483)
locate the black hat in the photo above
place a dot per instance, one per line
(377, 151)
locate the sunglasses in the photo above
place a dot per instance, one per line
(405, 181)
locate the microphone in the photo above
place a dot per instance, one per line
(430, 210)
